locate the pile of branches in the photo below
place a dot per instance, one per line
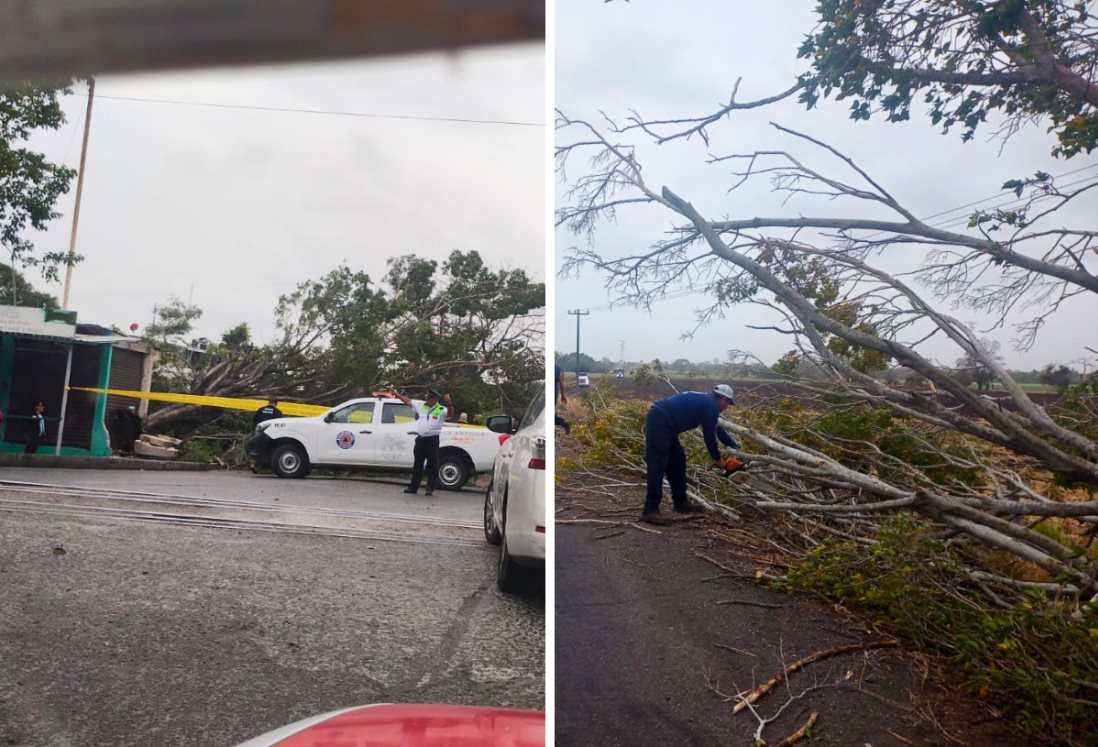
(804, 461)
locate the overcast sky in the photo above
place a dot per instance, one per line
(674, 60)
(229, 208)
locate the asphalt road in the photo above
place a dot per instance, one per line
(207, 608)
(653, 643)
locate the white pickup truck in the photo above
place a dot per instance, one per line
(368, 433)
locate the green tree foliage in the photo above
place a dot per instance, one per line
(173, 322)
(337, 322)
(237, 337)
(15, 290)
(567, 361)
(460, 326)
(1060, 376)
(30, 185)
(814, 280)
(1076, 409)
(964, 59)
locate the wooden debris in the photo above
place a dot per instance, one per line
(801, 733)
(598, 537)
(751, 697)
(736, 650)
(748, 603)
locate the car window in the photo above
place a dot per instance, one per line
(396, 412)
(362, 412)
(533, 411)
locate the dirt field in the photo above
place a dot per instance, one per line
(749, 391)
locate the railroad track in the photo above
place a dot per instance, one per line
(161, 508)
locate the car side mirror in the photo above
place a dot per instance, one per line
(499, 424)
(328, 417)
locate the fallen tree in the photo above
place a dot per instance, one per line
(849, 317)
(458, 325)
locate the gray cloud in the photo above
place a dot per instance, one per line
(233, 207)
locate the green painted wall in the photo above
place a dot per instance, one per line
(99, 446)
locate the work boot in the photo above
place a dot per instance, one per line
(686, 507)
(653, 516)
(409, 491)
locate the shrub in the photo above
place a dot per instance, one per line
(1037, 660)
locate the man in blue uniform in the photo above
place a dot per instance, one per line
(559, 396)
(663, 452)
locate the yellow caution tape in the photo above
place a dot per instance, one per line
(228, 403)
(232, 403)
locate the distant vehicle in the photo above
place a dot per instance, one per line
(583, 379)
(368, 433)
(514, 504)
(619, 373)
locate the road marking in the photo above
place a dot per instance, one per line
(197, 501)
(24, 506)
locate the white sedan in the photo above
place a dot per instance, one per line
(514, 504)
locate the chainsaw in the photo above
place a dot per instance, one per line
(734, 464)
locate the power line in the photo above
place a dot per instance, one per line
(665, 297)
(1017, 202)
(328, 112)
(992, 197)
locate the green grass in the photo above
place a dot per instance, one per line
(1035, 388)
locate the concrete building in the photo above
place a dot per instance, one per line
(42, 354)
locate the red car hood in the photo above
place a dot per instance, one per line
(412, 726)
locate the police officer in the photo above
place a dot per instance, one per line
(663, 452)
(269, 411)
(430, 416)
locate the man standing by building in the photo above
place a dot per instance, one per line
(430, 417)
(124, 429)
(663, 452)
(269, 411)
(37, 430)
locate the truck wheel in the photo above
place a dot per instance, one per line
(453, 472)
(289, 460)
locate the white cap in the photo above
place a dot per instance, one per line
(723, 390)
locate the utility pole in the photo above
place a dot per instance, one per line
(622, 353)
(79, 191)
(577, 313)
